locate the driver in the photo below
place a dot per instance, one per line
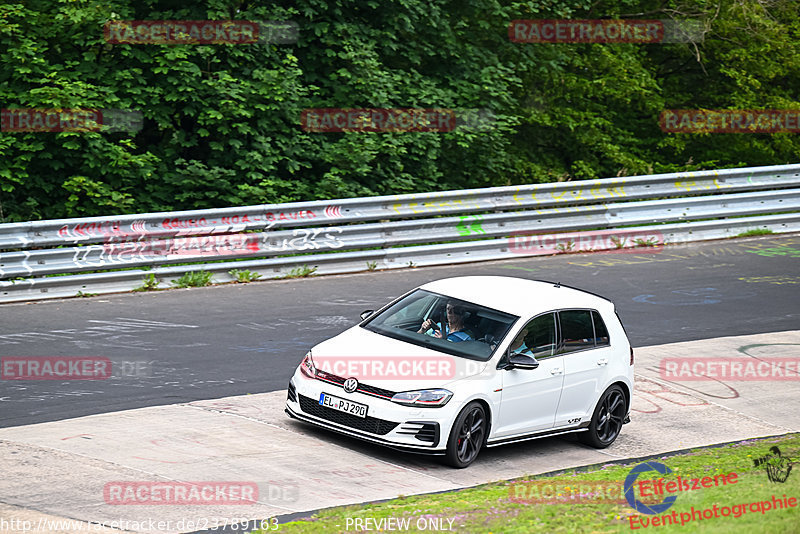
(519, 345)
(454, 328)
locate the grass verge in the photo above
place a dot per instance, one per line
(489, 508)
(755, 232)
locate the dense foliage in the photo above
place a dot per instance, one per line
(221, 122)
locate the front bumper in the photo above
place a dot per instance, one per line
(410, 429)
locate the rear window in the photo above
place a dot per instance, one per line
(582, 329)
(600, 330)
(577, 331)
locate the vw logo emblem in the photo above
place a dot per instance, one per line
(350, 385)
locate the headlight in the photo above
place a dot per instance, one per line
(307, 366)
(433, 398)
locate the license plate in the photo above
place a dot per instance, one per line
(343, 405)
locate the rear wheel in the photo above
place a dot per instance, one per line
(466, 436)
(607, 419)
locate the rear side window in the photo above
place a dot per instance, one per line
(577, 330)
(600, 330)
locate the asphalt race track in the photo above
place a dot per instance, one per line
(198, 387)
(181, 346)
(58, 472)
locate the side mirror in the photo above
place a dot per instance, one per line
(521, 361)
(366, 314)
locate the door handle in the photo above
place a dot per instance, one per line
(602, 361)
(555, 371)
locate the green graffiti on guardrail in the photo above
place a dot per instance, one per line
(467, 229)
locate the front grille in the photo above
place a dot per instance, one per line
(328, 377)
(292, 394)
(369, 424)
(375, 391)
(362, 388)
(423, 431)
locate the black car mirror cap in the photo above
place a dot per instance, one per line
(518, 360)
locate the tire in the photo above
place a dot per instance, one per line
(607, 419)
(466, 436)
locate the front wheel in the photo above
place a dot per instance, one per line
(607, 419)
(466, 436)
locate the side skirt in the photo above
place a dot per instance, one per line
(536, 435)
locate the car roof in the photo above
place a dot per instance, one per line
(518, 296)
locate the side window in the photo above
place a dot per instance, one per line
(538, 337)
(600, 330)
(577, 332)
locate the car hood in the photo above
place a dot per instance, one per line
(388, 363)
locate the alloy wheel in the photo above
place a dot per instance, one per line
(470, 435)
(612, 413)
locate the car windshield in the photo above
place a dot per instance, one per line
(443, 323)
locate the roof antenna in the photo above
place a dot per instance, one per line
(558, 284)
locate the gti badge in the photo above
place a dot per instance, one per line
(350, 385)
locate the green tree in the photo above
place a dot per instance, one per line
(221, 123)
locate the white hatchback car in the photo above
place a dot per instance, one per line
(467, 362)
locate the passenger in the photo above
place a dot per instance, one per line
(454, 329)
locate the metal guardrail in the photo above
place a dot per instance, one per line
(332, 238)
(332, 235)
(334, 212)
